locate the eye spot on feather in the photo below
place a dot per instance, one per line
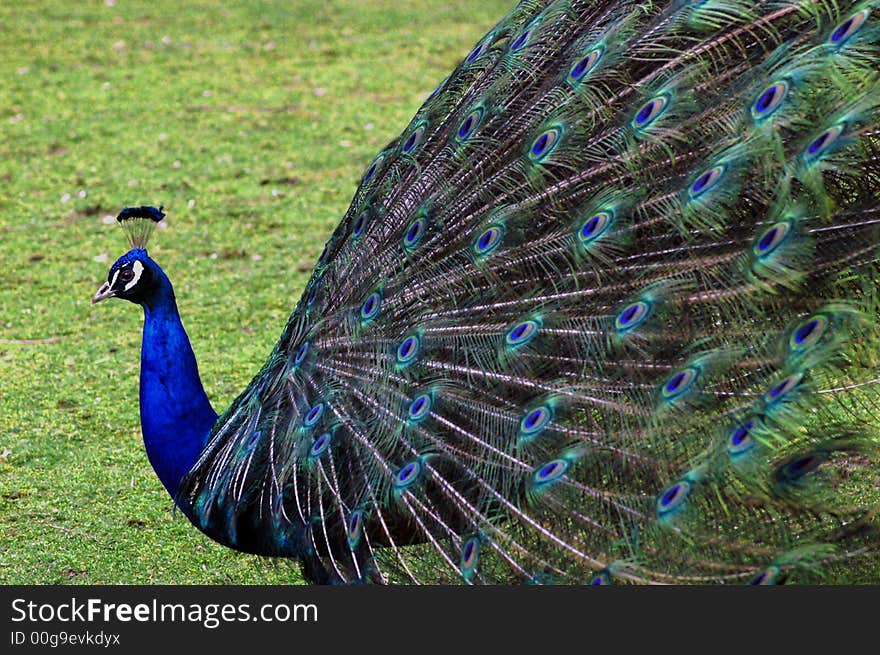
(301, 354)
(845, 30)
(673, 498)
(798, 467)
(550, 472)
(371, 171)
(650, 112)
(769, 576)
(488, 240)
(679, 383)
(740, 440)
(808, 332)
(594, 227)
(354, 528)
(314, 415)
(535, 421)
(420, 407)
(582, 68)
(360, 224)
(707, 181)
(408, 474)
(320, 445)
(371, 306)
(470, 557)
(545, 144)
(414, 233)
(770, 100)
(632, 316)
(467, 127)
(601, 579)
(781, 390)
(478, 50)
(408, 349)
(415, 138)
(823, 143)
(522, 40)
(521, 333)
(771, 239)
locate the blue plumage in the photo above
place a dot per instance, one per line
(176, 415)
(605, 312)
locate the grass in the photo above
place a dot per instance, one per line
(251, 123)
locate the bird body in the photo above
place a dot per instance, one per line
(605, 311)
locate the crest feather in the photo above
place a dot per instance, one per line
(139, 223)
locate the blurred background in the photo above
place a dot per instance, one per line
(252, 123)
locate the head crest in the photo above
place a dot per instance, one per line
(138, 223)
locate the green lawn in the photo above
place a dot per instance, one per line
(251, 123)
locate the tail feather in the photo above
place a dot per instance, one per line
(605, 311)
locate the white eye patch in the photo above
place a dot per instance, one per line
(137, 268)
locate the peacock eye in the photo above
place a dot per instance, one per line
(847, 28)
(706, 181)
(650, 111)
(586, 64)
(126, 275)
(770, 99)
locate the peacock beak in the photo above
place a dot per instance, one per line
(104, 292)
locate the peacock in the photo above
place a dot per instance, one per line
(606, 311)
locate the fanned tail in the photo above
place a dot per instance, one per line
(605, 311)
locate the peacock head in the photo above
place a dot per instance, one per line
(134, 276)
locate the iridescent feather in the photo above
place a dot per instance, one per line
(605, 311)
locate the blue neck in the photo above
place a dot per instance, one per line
(176, 415)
